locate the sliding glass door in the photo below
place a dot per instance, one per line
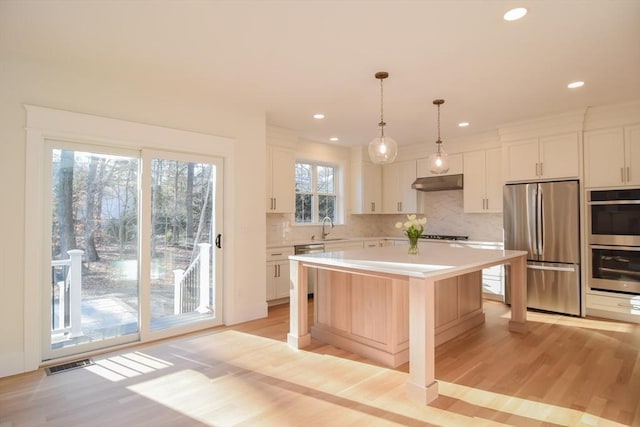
(134, 247)
(184, 201)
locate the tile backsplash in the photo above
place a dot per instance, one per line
(443, 209)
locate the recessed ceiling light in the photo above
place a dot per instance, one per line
(574, 85)
(334, 139)
(463, 124)
(515, 14)
(318, 116)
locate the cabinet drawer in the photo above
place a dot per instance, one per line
(624, 304)
(279, 254)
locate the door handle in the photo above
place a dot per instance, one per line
(622, 174)
(628, 174)
(373, 206)
(219, 241)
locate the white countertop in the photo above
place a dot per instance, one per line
(292, 243)
(434, 260)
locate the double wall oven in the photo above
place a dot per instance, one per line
(614, 240)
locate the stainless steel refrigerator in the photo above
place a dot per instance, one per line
(543, 219)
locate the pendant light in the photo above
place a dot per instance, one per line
(439, 161)
(382, 149)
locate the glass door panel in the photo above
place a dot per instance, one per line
(93, 293)
(183, 235)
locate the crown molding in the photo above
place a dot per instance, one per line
(571, 121)
(612, 115)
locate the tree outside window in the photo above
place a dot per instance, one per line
(316, 196)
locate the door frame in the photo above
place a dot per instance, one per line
(48, 123)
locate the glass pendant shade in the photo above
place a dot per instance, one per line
(439, 162)
(383, 150)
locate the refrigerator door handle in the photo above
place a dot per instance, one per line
(540, 221)
(542, 267)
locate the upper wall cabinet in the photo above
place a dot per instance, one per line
(483, 181)
(612, 157)
(280, 180)
(549, 157)
(366, 194)
(397, 194)
(455, 166)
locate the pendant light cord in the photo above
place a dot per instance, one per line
(382, 123)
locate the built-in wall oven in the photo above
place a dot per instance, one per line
(614, 240)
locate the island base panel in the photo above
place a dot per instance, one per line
(298, 342)
(346, 343)
(519, 327)
(421, 394)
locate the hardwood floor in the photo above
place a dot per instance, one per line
(564, 372)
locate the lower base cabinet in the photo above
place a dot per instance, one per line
(615, 306)
(278, 273)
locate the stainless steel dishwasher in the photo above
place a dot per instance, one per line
(311, 248)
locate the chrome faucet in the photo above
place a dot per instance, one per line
(324, 220)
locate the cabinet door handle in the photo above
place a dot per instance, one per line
(275, 203)
(399, 206)
(628, 174)
(373, 206)
(537, 169)
(622, 174)
(631, 306)
(278, 265)
(275, 270)
(541, 170)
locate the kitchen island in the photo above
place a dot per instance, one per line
(379, 277)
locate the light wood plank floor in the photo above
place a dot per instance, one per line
(564, 372)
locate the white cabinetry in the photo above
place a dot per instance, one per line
(612, 157)
(280, 180)
(611, 305)
(483, 181)
(455, 166)
(549, 157)
(366, 188)
(374, 244)
(278, 273)
(397, 194)
(343, 245)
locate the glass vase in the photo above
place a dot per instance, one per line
(413, 245)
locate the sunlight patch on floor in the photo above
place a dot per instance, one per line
(577, 322)
(123, 366)
(533, 410)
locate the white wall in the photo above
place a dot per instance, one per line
(158, 103)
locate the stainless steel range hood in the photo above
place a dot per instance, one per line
(438, 183)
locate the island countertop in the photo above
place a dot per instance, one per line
(435, 260)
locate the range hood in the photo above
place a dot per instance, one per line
(438, 183)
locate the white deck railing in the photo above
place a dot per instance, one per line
(194, 283)
(71, 286)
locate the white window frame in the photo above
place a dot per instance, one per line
(337, 186)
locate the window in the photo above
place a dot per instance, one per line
(316, 196)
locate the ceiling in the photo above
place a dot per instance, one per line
(296, 58)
